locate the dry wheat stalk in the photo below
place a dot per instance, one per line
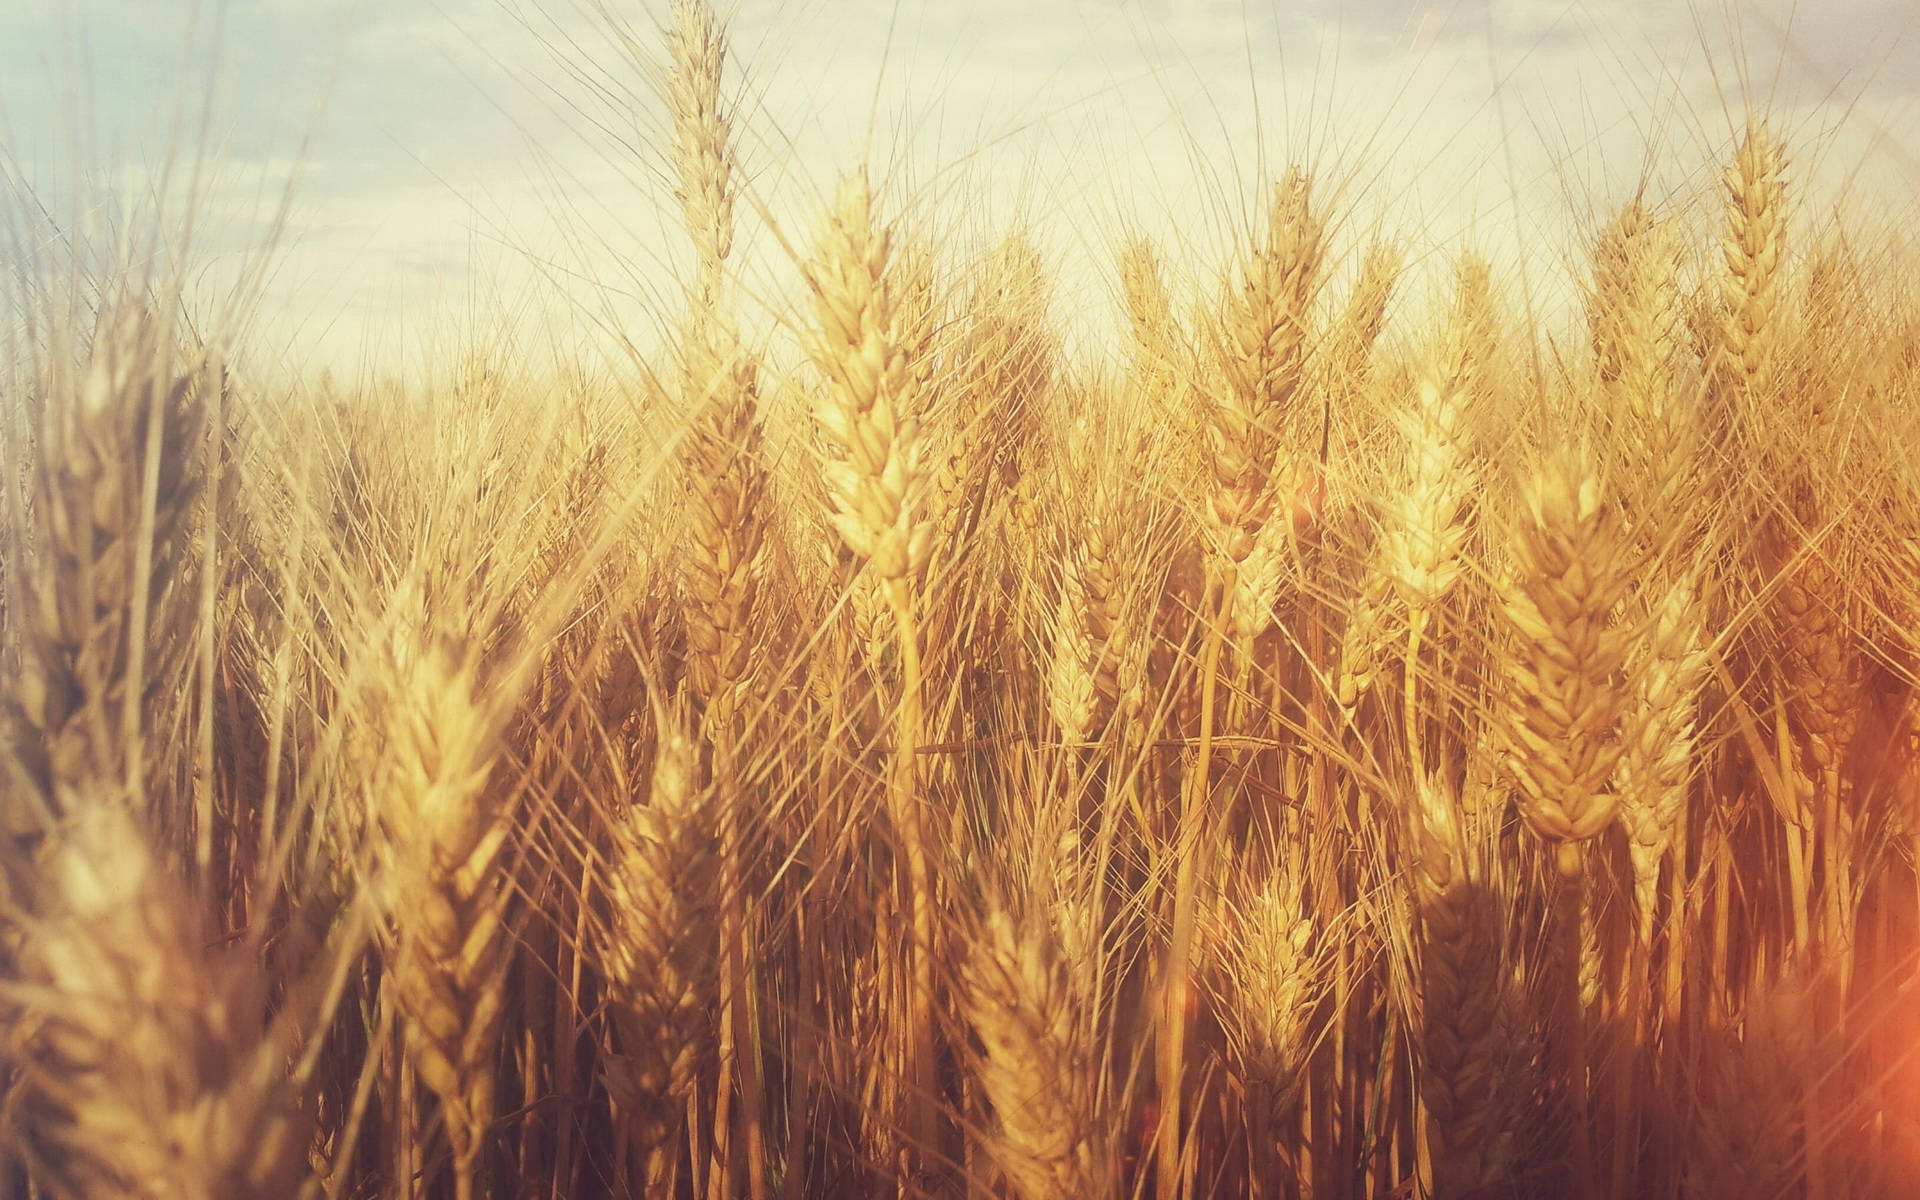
(722, 451)
(875, 470)
(1261, 353)
(723, 461)
(725, 566)
(1636, 317)
(1557, 721)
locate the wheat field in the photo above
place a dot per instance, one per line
(1334, 742)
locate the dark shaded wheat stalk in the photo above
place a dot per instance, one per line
(661, 948)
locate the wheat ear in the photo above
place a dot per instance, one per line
(443, 839)
(103, 606)
(1035, 1066)
(1470, 1134)
(1753, 247)
(1262, 362)
(1558, 719)
(1420, 552)
(1560, 724)
(875, 470)
(724, 463)
(148, 1065)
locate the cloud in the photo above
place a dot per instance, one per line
(443, 125)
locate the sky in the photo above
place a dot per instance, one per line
(398, 175)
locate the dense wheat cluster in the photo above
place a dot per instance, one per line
(1338, 742)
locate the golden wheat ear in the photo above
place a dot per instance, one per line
(1036, 1065)
(443, 851)
(146, 1058)
(1560, 716)
(877, 466)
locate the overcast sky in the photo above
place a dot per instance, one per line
(459, 157)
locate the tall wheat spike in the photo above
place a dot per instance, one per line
(724, 463)
(1559, 720)
(1276, 969)
(1753, 248)
(1262, 362)
(1347, 366)
(1659, 738)
(703, 149)
(1559, 723)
